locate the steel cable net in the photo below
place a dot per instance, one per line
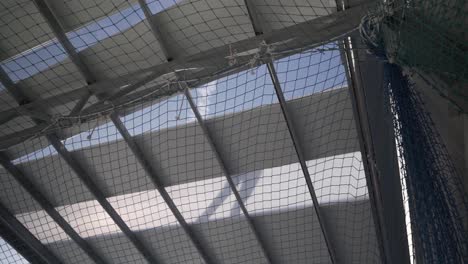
(402, 34)
(411, 30)
(180, 151)
(433, 190)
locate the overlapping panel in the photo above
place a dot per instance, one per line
(283, 13)
(252, 138)
(194, 26)
(22, 27)
(259, 153)
(15, 125)
(32, 57)
(262, 164)
(121, 171)
(338, 176)
(7, 101)
(9, 255)
(131, 192)
(240, 111)
(184, 160)
(113, 37)
(31, 215)
(52, 176)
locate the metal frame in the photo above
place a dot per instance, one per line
(15, 242)
(54, 140)
(151, 172)
(391, 248)
(49, 208)
(371, 179)
(231, 183)
(89, 183)
(23, 237)
(59, 32)
(67, 156)
(80, 104)
(257, 26)
(300, 156)
(293, 37)
(100, 197)
(254, 18)
(20, 97)
(276, 36)
(386, 203)
(13, 89)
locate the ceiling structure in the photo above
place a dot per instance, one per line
(180, 132)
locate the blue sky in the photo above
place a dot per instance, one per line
(46, 55)
(300, 75)
(10, 255)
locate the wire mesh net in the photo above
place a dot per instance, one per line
(422, 44)
(437, 203)
(428, 38)
(9, 254)
(105, 159)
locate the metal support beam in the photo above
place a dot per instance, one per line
(379, 154)
(150, 171)
(300, 156)
(17, 245)
(254, 17)
(80, 104)
(371, 179)
(213, 61)
(11, 87)
(155, 29)
(59, 33)
(231, 183)
(7, 117)
(120, 126)
(49, 208)
(40, 253)
(137, 151)
(257, 26)
(55, 141)
(368, 169)
(100, 197)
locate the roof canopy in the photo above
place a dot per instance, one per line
(180, 132)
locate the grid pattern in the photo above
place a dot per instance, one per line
(432, 185)
(10, 255)
(219, 181)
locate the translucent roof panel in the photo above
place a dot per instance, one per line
(22, 28)
(9, 255)
(283, 13)
(194, 26)
(182, 148)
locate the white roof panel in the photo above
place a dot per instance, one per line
(126, 52)
(114, 39)
(279, 14)
(22, 28)
(192, 27)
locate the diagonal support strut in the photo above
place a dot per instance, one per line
(300, 156)
(49, 208)
(231, 183)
